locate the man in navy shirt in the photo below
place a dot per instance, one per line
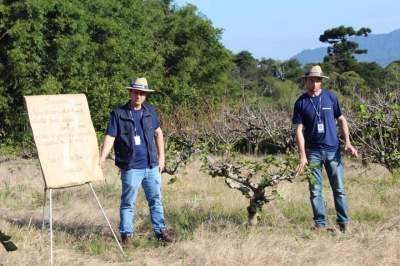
(315, 115)
(134, 131)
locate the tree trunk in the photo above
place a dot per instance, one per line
(252, 215)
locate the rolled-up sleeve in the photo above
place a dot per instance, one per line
(112, 129)
(297, 114)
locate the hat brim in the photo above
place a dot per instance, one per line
(316, 75)
(139, 89)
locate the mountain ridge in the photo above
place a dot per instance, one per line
(383, 48)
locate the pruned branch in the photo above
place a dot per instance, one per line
(179, 153)
(375, 129)
(256, 181)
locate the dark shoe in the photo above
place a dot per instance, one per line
(126, 240)
(344, 228)
(165, 236)
(323, 228)
(319, 227)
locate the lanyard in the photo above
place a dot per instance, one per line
(132, 116)
(319, 107)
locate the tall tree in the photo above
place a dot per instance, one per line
(196, 64)
(341, 50)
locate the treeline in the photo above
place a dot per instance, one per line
(279, 83)
(94, 47)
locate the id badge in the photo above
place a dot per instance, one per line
(320, 128)
(137, 140)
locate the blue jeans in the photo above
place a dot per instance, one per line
(150, 179)
(334, 168)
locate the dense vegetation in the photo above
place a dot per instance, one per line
(93, 47)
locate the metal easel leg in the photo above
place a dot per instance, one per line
(44, 206)
(104, 214)
(51, 227)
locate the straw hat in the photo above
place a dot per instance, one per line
(315, 71)
(139, 84)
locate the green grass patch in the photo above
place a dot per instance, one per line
(296, 212)
(93, 244)
(186, 220)
(5, 191)
(108, 191)
(38, 199)
(10, 151)
(387, 190)
(12, 196)
(63, 197)
(144, 243)
(368, 215)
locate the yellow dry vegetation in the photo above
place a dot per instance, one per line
(208, 219)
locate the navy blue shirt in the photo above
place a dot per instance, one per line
(306, 110)
(141, 160)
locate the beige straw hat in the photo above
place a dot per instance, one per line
(139, 84)
(315, 71)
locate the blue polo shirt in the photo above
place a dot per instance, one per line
(141, 158)
(310, 111)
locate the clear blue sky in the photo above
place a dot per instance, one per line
(279, 29)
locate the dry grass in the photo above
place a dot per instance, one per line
(209, 221)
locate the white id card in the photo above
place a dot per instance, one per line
(137, 140)
(320, 127)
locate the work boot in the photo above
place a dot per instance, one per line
(323, 228)
(318, 227)
(126, 240)
(344, 228)
(164, 236)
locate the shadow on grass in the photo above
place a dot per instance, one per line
(90, 238)
(77, 230)
(182, 222)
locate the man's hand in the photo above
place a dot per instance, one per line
(300, 144)
(161, 165)
(107, 146)
(302, 163)
(345, 128)
(350, 149)
(159, 137)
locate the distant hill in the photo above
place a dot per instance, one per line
(382, 49)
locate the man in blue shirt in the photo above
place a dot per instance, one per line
(134, 131)
(315, 115)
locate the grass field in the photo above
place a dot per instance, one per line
(208, 219)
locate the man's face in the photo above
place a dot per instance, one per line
(313, 84)
(137, 97)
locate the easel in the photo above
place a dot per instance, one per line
(60, 123)
(51, 219)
